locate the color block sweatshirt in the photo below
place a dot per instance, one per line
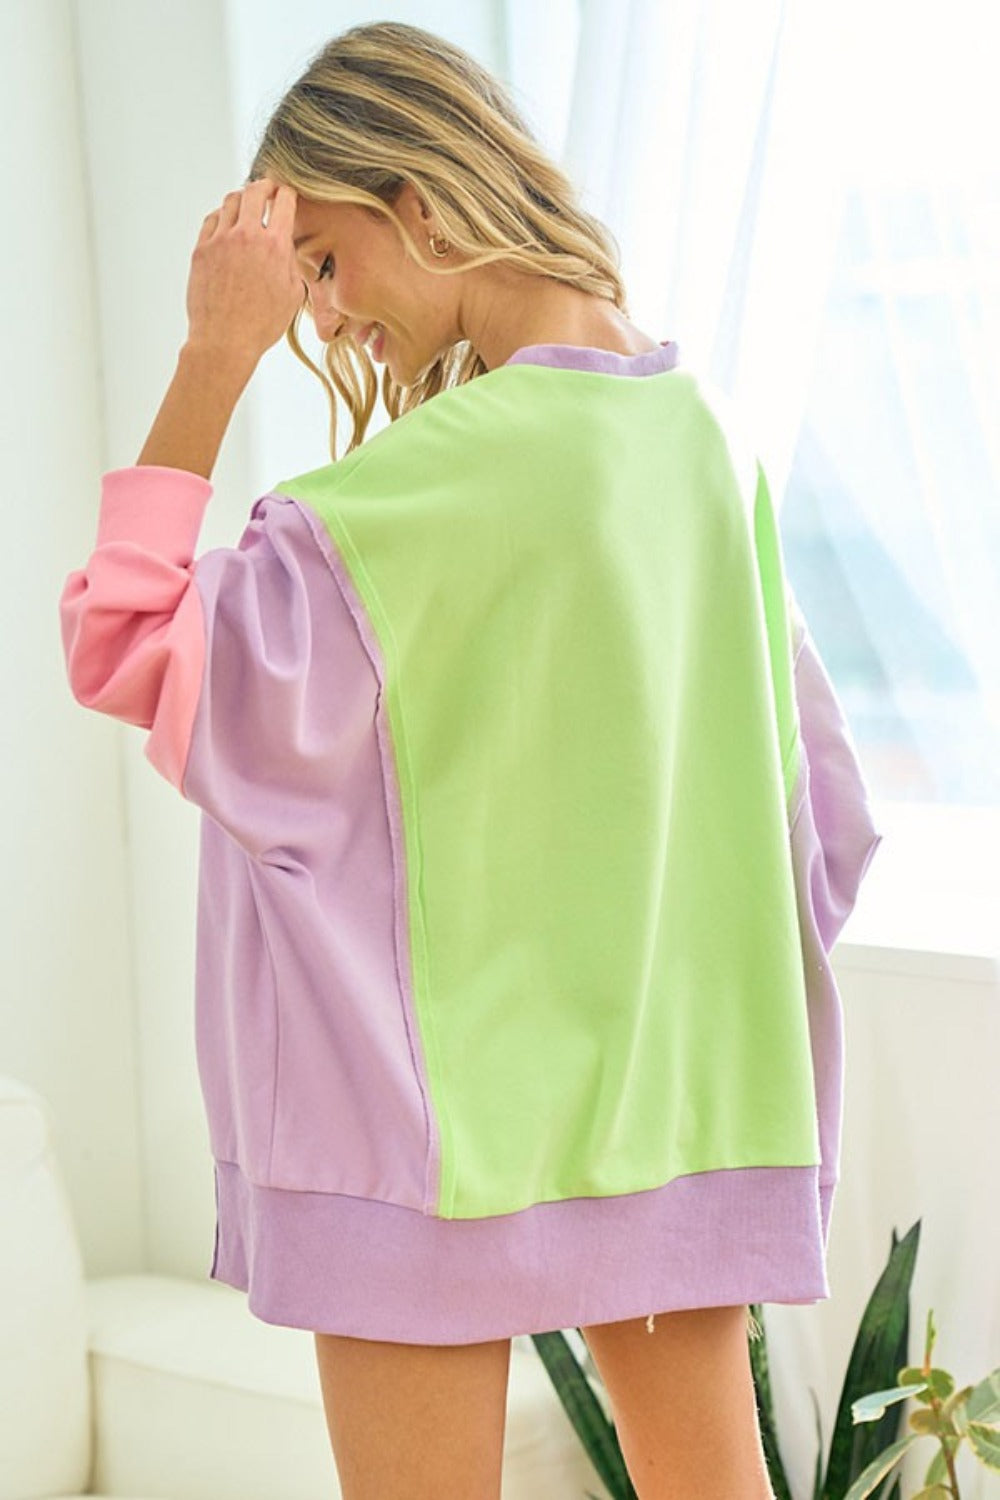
(530, 817)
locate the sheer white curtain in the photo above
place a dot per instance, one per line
(928, 185)
(709, 137)
(963, 495)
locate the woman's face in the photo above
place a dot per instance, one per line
(359, 272)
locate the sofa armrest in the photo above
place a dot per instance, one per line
(196, 1399)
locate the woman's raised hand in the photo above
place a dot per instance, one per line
(244, 289)
(244, 286)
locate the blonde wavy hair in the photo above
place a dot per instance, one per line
(386, 103)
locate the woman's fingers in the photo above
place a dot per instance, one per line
(262, 199)
(262, 203)
(252, 201)
(208, 226)
(224, 217)
(243, 287)
(282, 210)
(230, 210)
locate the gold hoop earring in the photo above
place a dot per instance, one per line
(434, 249)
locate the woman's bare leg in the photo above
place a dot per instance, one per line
(683, 1403)
(415, 1421)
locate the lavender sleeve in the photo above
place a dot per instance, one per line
(288, 697)
(836, 789)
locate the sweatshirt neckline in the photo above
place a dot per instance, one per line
(599, 361)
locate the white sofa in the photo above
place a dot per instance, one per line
(161, 1388)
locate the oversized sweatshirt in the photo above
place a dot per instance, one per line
(530, 817)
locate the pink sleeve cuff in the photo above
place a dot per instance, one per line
(157, 508)
(132, 623)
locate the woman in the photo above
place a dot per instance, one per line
(530, 814)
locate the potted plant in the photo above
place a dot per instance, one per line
(949, 1416)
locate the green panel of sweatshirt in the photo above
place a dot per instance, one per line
(576, 582)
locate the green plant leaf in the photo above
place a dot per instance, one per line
(870, 1408)
(953, 1412)
(930, 1336)
(895, 1492)
(984, 1400)
(941, 1382)
(759, 1362)
(818, 1477)
(937, 1469)
(760, 1368)
(596, 1433)
(878, 1469)
(880, 1349)
(933, 1492)
(914, 1377)
(986, 1443)
(928, 1384)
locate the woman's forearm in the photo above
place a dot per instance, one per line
(196, 410)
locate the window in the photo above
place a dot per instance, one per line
(891, 516)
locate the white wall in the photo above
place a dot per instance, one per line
(66, 1023)
(920, 1125)
(160, 148)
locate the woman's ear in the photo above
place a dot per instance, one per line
(412, 209)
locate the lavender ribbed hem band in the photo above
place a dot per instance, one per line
(336, 1264)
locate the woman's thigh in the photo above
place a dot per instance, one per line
(683, 1402)
(415, 1421)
